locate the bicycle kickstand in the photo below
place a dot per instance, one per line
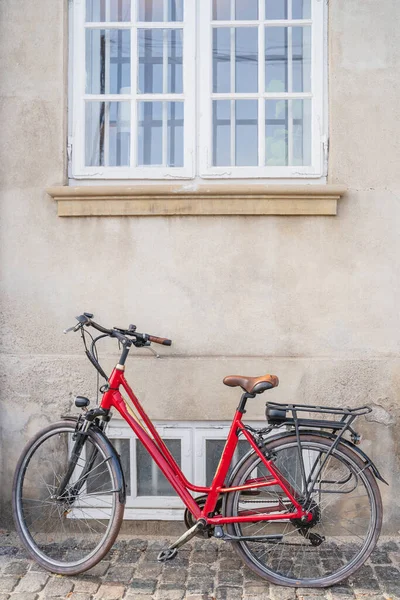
(172, 550)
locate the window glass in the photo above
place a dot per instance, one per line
(246, 59)
(301, 9)
(276, 9)
(107, 126)
(214, 449)
(150, 480)
(108, 10)
(276, 59)
(108, 66)
(161, 10)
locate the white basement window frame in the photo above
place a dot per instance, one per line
(193, 437)
(197, 94)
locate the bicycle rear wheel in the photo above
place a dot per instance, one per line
(346, 507)
(66, 532)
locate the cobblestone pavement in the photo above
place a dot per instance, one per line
(203, 570)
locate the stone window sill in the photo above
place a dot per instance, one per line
(196, 200)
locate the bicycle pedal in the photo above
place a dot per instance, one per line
(167, 554)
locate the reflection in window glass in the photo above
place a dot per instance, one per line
(107, 61)
(276, 9)
(301, 132)
(174, 48)
(221, 132)
(175, 134)
(214, 449)
(107, 134)
(246, 114)
(246, 57)
(246, 10)
(276, 59)
(150, 133)
(276, 132)
(301, 9)
(221, 59)
(153, 10)
(108, 10)
(222, 10)
(301, 44)
(150, 47)
(152, 43)
(150, 480)
(152, 115)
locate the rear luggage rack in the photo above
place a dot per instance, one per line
(286, 414)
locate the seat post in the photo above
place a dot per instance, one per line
(242, 404)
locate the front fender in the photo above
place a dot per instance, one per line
(115, 457)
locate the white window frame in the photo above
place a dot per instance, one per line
(318, 129)
(79, 97)
(197, 80)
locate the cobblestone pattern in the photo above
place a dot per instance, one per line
(203, 570)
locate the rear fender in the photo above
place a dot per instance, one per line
(366, 460)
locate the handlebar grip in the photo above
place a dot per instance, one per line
(158, 340)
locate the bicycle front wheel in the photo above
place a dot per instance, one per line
(345, 504)
(67, 516)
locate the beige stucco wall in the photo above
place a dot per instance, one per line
(313, 299)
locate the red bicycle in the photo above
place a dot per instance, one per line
(302, 507)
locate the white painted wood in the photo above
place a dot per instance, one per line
(197, 98)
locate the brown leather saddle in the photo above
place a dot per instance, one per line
(252, 385)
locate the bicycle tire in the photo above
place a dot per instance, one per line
(336, 557)
(57, 533)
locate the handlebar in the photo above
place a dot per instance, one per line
(140, 339)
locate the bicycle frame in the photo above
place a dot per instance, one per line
(147, 434)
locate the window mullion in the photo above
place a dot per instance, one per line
(134, 78)
(290, 85)
(233, 88)
(261, 84)
(165, 91)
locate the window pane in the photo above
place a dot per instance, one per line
(150, 133)
(301, 44)
(221, 132)
(214, 449)
(276, 132)
(246, 10)
(276, 61)
(246, 133)
(301, 132)
(174, 41)
(150, 49)
(150, 480)
(222, 10)
(107, 134)
(153, 10)
(108, 61)
(99, 478)
(276, 9)
(246, 56)
(221, 59)
(175, 134)
(119, 133)
(152, 43)
(301, 9)
(113, 10)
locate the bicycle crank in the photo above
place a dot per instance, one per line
(170, 552)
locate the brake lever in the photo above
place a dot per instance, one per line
(73, 328)
(153, 351)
